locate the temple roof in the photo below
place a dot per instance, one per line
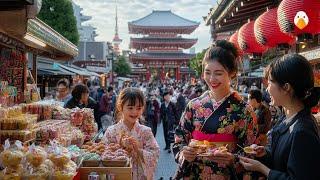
(163, 19)
(158, 55)
(164, 40)
(151, 41)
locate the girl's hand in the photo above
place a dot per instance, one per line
(259, 151)
(130, 144)
(223, 158)
(189, 153)
(254, 165)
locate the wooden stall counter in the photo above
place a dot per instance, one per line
(120, 173)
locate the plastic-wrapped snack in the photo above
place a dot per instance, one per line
(36, 155)
(47, 112)
(66, 173)
(12, 173)
(76, 117)
(41, 172)
(11, 156)
(59, 155)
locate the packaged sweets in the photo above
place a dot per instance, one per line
(12, 155)
(36, 155)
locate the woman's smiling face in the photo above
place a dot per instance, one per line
(217, 77)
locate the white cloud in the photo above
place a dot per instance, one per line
(103, 16)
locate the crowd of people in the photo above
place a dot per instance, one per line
(275, 122)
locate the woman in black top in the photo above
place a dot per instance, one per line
(80, 98)
(294, 150)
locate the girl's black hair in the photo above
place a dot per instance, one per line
(297, 71)
(225, 53)
(78, 90)
(131, 95)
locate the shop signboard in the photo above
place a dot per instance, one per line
(311, 55)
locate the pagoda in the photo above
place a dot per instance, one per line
(159, 49)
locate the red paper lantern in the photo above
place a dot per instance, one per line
(299, 16)
(267, 30)
(234, 39)
(247, 40)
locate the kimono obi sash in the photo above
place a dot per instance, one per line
(216, 140)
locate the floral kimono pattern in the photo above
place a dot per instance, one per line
(230, 116)
(150, 148)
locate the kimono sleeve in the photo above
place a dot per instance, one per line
(110, 135)
(183, 132)
(150, 152)
(246, 127)
(304, 158)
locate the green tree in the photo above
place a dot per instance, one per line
(122, 67)
(196, 62)
(59, 15)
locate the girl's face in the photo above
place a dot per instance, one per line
(132, 113)
(217, 77)
(277, 93)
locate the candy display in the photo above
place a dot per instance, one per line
(14, 62)
(21, 135)
(59, 112)
(7, 94)
(43, 111)
(36, 155)
(21, 122)
(64, 168)
(11, 159)
(36, 168)
(49, 130)
(97, 148)
(114, 155)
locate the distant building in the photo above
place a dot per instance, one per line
(160, 49)
(92, 51)
(86, 32)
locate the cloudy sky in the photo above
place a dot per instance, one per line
(103, 14)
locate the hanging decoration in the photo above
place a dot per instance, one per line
(234, 39)
(247, 40)
(267, 31)
(300, 18)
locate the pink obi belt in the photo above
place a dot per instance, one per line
(214, 138)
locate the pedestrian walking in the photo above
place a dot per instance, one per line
(168, 116)
(152, 113)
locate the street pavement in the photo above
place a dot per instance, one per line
(166, 164)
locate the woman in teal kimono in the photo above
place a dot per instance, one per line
(219, 116)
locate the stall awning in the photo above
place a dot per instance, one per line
(49, 40)
(49, 67)
(79, 71)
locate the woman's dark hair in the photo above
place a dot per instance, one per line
(131, 95)
(256, 94)
(64, 82)
(297, 71)
(225, 53)
(78, 90)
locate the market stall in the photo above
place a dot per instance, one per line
(43, 140)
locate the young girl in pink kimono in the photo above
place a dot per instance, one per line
(137, 139)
